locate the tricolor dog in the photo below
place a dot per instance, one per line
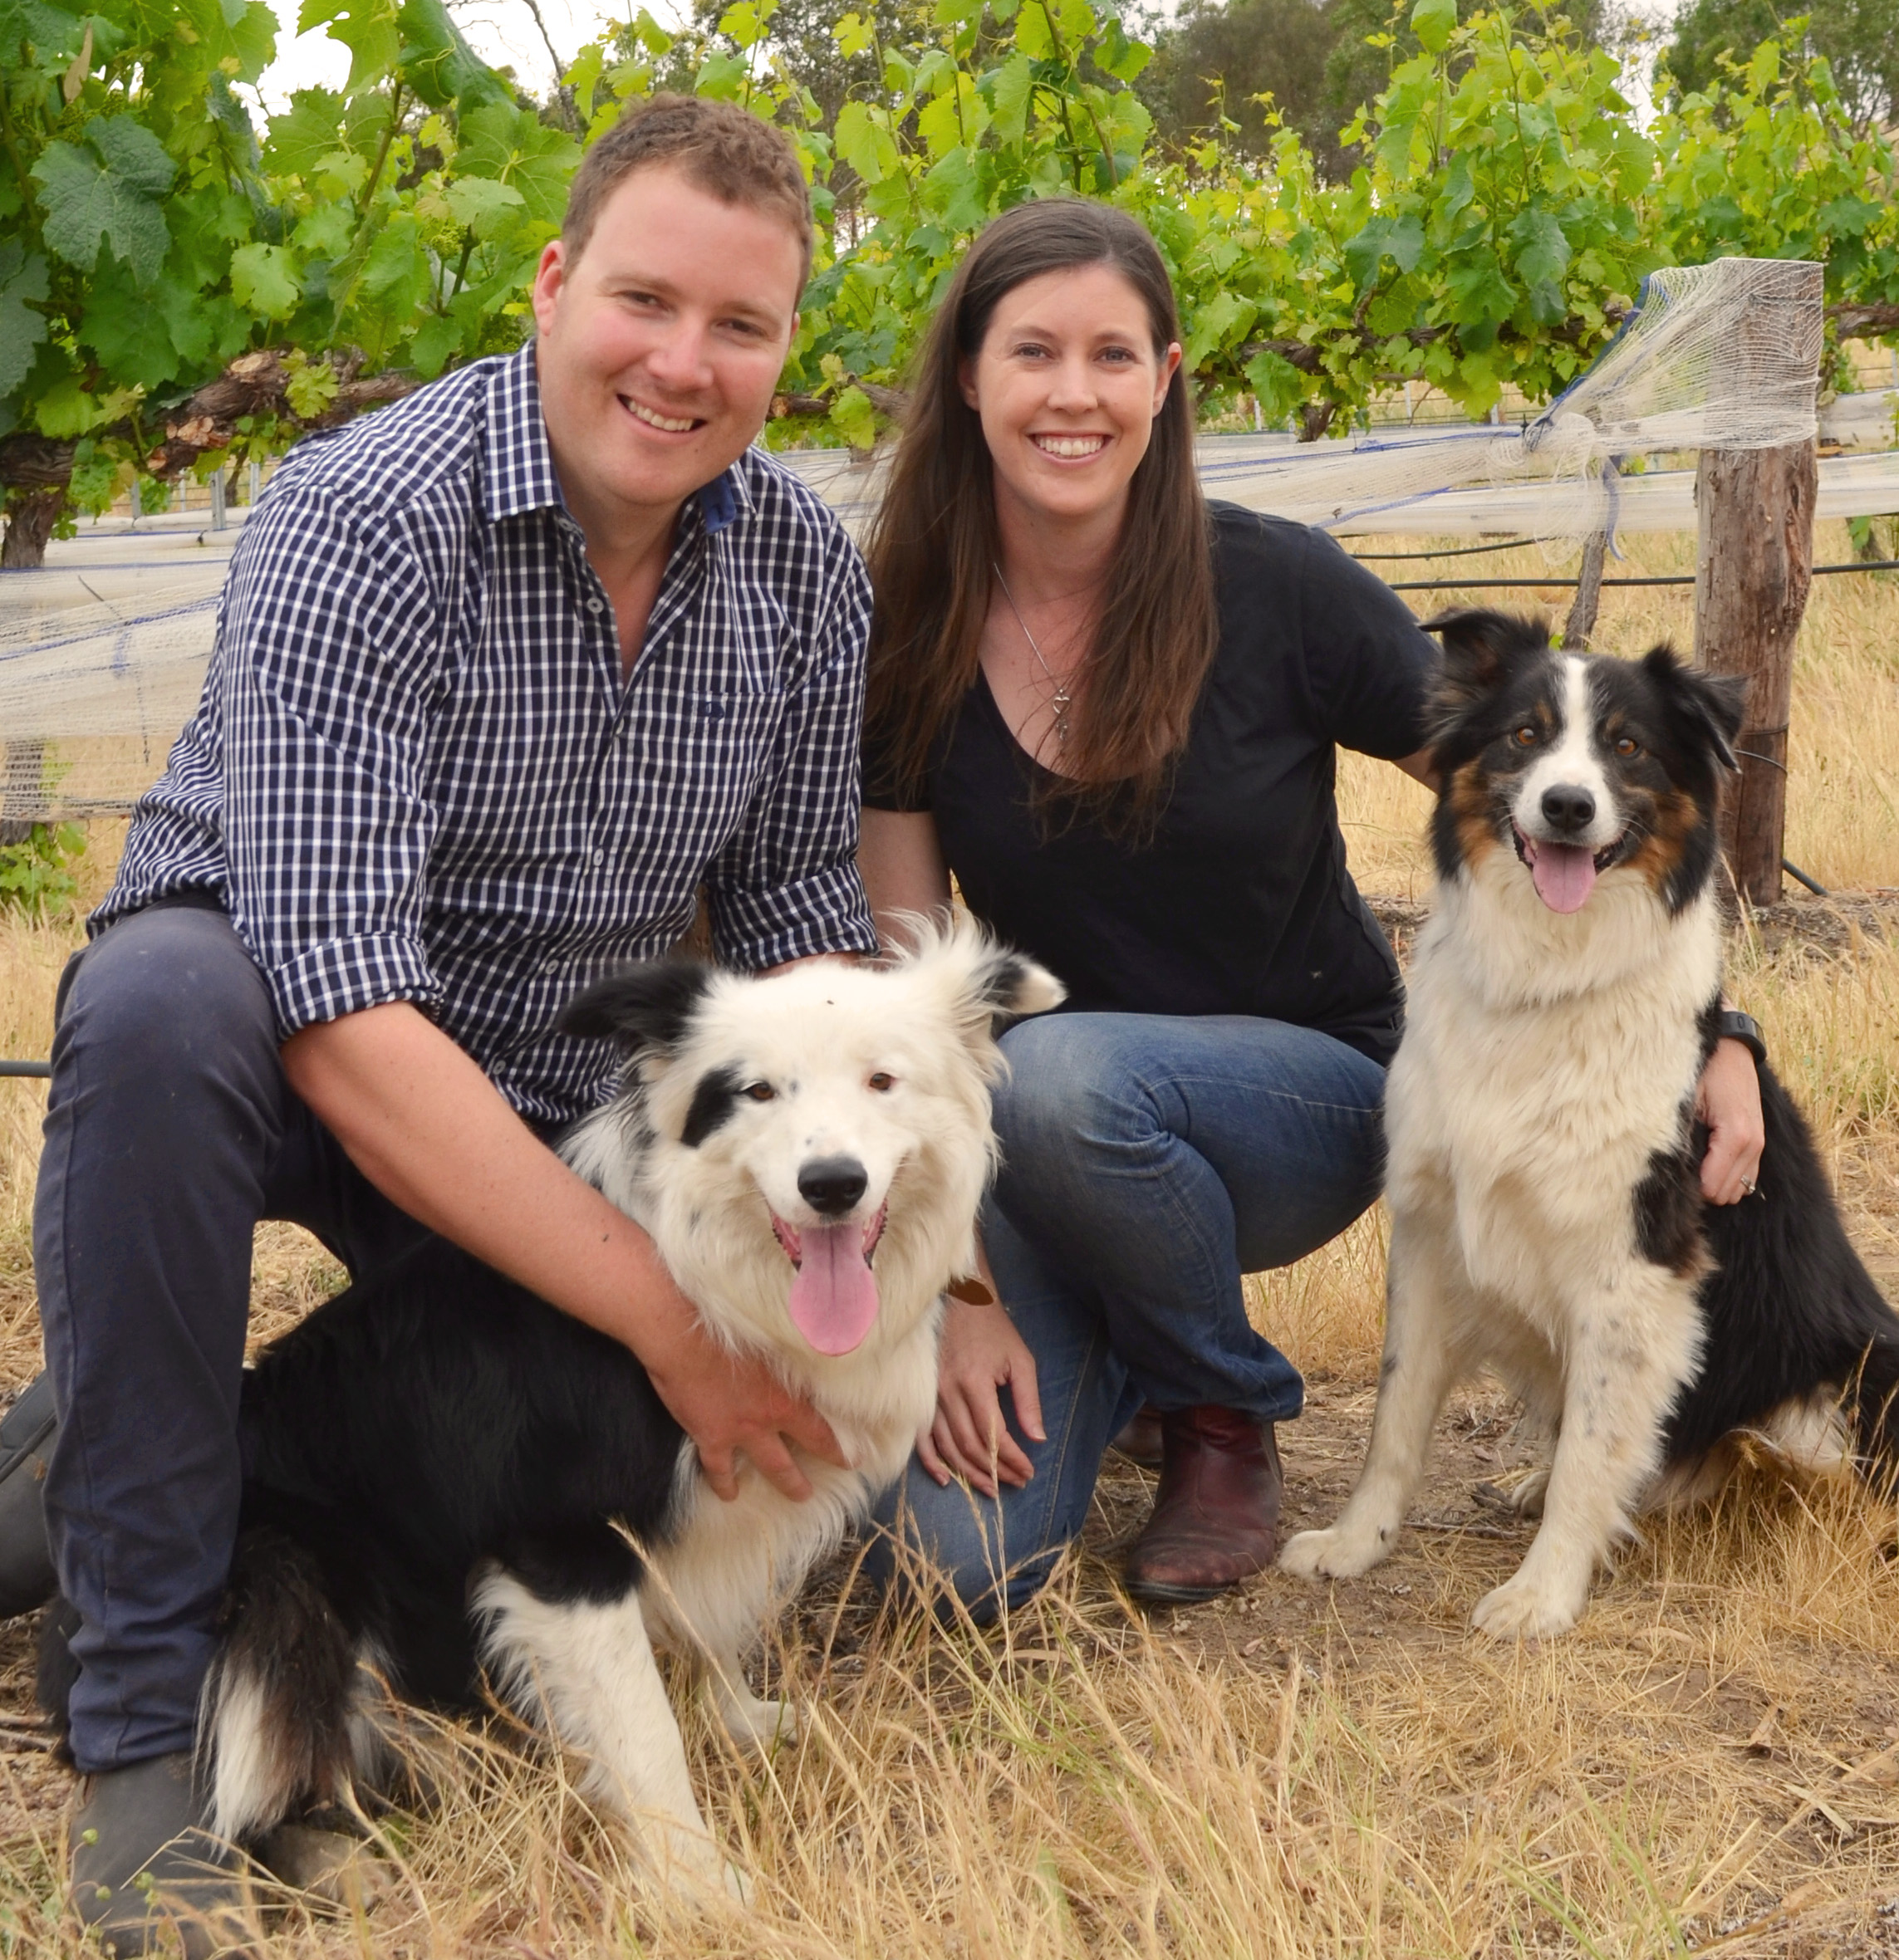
(449, 1481)
(1543, 1176)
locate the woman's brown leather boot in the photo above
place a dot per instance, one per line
(1216, 1515)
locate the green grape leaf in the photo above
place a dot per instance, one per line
(865, 144)
(1034, 36)
(22, 277)
(326, 232)
(1433, 21)
(854, 419)
(65, 410)
(1123, 58)
(396, 260)
(367, 28)
(1276, 383)
(1481, 296)
(514, 147)
(1225, 316)
(722, 77)
(484, 204)
(439, 64)
(1009, 92)
(307, 133)
(435, 340)
(86, 204)
(1543, 252)
(583, 75)
(1401, 239)
(52, 33)
(266, 279)
(127, 330)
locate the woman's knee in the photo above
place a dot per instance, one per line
(1070, 1083)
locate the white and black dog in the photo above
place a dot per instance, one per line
(1543, 1168)
(446, 1478)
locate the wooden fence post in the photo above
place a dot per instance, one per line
(1754, 565)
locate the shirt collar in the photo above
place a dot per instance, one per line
(521, 475)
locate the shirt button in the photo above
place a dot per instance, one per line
(593, 605)
(599, 858)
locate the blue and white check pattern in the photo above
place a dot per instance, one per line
(415, 773)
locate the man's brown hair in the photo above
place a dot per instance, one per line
(724, 150)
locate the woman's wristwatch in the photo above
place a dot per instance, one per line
(1731, 1025)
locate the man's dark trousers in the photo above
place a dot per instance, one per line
(170, 1131)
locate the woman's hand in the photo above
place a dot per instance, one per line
(1728, 1102)
(969, 1438)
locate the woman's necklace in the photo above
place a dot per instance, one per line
(1061, 701)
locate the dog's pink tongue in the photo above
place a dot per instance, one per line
(1564, 875)
(834, 1293)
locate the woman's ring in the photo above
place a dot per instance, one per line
(1747, 1186)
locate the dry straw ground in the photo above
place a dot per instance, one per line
(1709, 1764)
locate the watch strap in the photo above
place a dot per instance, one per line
(1730, 1024)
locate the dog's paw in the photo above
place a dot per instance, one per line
(760, 1726)
(1335, 1554)
(1526, 1498)
(1524, 1608)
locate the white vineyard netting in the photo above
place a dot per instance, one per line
(100, 665)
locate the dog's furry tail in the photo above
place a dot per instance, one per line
(274, 1724)
(1875, 1407)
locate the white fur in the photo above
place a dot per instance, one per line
(1546, 1056)
(817, 1034)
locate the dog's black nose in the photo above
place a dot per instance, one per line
(1569, 806)
(832, 1185)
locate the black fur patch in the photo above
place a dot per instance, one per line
(713, 1102)
(437, 1418)
(648, 1005)
(1668, 1210)
(1790, 1310)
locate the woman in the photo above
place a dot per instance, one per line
(1110, 711)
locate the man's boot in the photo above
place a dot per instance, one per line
(1216, 1515)
(27, 1433)
(146, 1871)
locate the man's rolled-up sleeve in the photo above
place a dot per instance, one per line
(785, 885)
(327, 661)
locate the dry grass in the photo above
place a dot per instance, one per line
(1709, 1764)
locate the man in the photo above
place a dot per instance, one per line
(504, 675)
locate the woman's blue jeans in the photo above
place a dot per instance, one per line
(1148, 1162)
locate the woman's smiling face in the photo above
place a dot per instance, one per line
(1068, 383)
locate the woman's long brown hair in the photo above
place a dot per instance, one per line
(934, 542)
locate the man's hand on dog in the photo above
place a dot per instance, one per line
(732, 1406)
(981, 1351)
(1728, 1102)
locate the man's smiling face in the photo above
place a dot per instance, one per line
(660, 343)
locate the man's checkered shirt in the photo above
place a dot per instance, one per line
(415, 773)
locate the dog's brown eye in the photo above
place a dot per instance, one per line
(1525, 736)
(880, 1081)
(1627, 745)
(761, 1092)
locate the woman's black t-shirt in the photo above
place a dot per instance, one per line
(1237, 900)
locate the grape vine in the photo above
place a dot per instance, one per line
(184, 284)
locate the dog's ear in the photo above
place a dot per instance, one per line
(984, 986)
(646, 1006)
(1012, 986)
(1481, 648)
(1708, 708)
